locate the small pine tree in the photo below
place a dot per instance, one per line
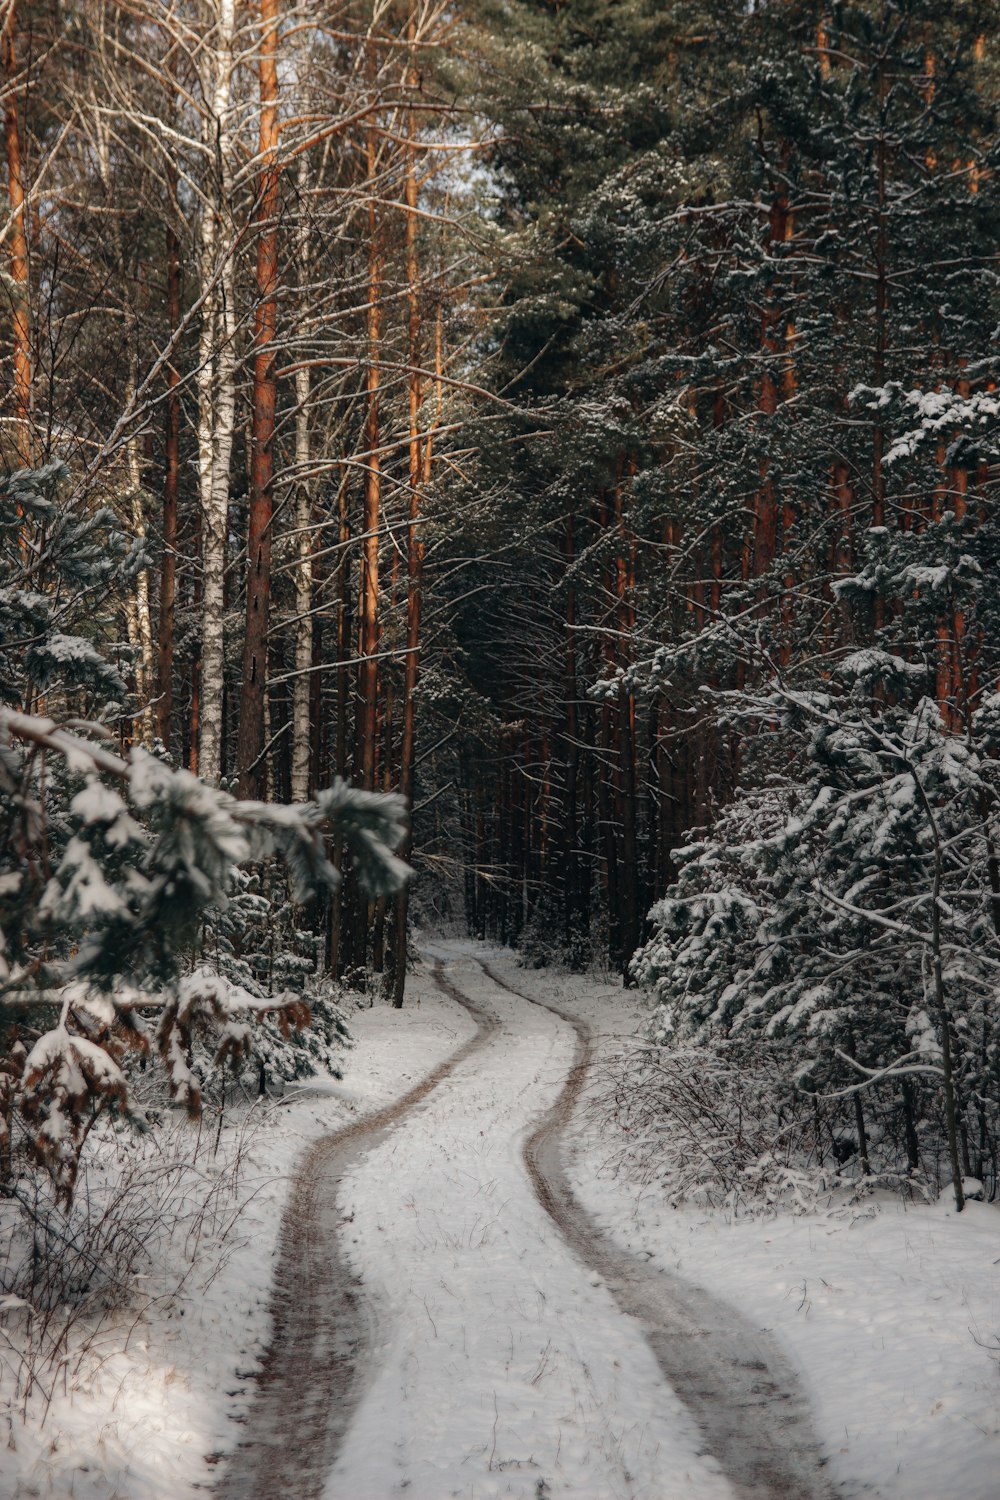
(115, 866)
(841, 914)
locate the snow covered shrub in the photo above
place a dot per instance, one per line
(71, 1272)
(115, 867)
(843, 916)
(56, 621)
(718, 1125)
(257, 942)
(97, 939)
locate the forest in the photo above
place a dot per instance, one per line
(524, 470)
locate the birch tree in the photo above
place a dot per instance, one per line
(216, 376)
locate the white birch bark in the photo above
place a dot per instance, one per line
(216, 385)
(138, 616)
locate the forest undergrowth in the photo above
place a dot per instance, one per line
(147, 1228)
(551, 451)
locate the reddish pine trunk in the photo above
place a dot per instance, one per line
(823, 47)
(18, 262)
(420, 456)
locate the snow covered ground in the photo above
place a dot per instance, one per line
(505, 1368)
(140, 1425)
(890, 1313)
(502, 1368)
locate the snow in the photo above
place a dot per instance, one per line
(889, 1317)
(68, 1060)
(506, 1366)
(870, 662)
(87, 893)
(939, 411)
(101, 804)
(890, 1312)
(502, 1367)
(139, 1425)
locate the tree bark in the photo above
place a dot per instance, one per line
(216, 383)
(573, 929)
(625, 586)
(171, 468)
(18, 257)
(335, 946)
(302, 688)
(368, 599)
(139, 610)
(366, 722)
(420, 456)
(250, 737)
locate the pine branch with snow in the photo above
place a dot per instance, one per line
(115, 868)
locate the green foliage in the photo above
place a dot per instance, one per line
(120, 874)
(805, 922)
(57, 561)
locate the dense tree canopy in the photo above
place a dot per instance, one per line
(578, 419)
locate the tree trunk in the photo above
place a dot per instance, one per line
(765, 518)
(881, 314)
(171, 466)
(302, 687)
(250, 739)
(420, 457)
(573, 933)
(216, 384)
(18, 255)
(629, 881)
(368, 600)
(335, 949)
(368, 597)
(138, 609)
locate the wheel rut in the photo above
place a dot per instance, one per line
(313, 1373)
(731, 1376)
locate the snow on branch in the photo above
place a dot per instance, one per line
(115, 866)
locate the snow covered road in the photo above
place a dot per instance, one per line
(321, 1326)
(465, 1336)
(426, 1327)
(505, 1367)
(730, 1375)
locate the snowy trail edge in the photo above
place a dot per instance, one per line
(313, 1374)
(736, 1384)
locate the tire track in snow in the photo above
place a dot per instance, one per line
(733, 1379)
(321, 1327)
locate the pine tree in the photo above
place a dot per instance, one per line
(116, 867)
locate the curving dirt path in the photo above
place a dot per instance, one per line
(732, 1378)
(734, 1383)
(312, 1375)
